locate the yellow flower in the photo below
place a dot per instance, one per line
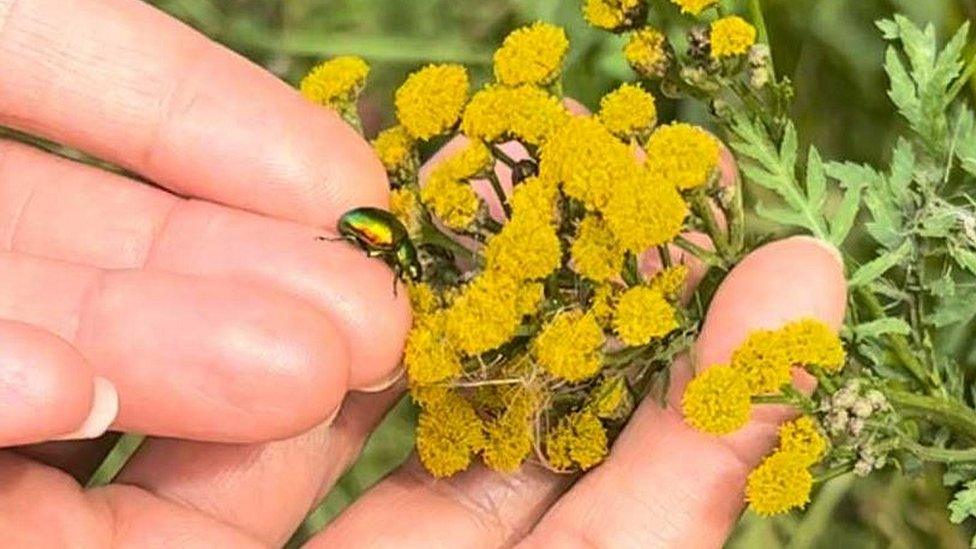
(428, 356)
(781, 483)
(645, 212)
(671, 281)
(647, 53)
(589, 162)
(454, 202)
(764, 361)
(335, 82)
(486, 313)
(524, 249)
(427, 395)
(531, 55)
(474, 159)
(526, 113)
(693, 7)
(628, 111)
(578, 438)
(643, 314)
(430, 101)
(731, 36)
(395, 148)
(611, 399)
(569, 346)
(534, 198)
(717, 401)
(810, 342)
(802, 437)
(596, 253)
(683, 155)
(528, 297)
(449, 432)
(405, 205)
(602, 302)
(423, 299)
(510, 439)
(614, 15)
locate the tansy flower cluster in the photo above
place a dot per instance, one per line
(535, 331)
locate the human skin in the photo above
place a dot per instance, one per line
(207, 307)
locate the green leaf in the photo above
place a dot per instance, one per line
(966, 144)
(870, 271)
(963, 504)
(952, 311)
(880, 327)
(965, 258)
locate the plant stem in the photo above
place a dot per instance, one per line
(737, 219)
(832, 473)
(703, 209)
(706, 256)
(899, 345)
(431, 235)
(759, 21)
(115, 460)
(502, 156)
(496, 186)
(942, 455)
(771, 399)
(631, 274)
(954, 415)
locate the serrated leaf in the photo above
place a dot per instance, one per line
(870, 271)
(964, 258)
(966, 144)
(787, 151)
(881, 326)
(889, 29)
(951, 311)
(781, 216)
(963, 504)
(902, 170)
(816, 180)
(902, 91)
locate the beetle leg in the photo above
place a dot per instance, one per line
(331, 238)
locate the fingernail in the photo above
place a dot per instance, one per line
(827, 246)
(105, 407)
(385, 384)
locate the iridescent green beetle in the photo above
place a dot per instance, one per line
(380, 234)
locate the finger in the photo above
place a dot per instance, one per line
(179, 109)
(48, 390)
(667, 485)
(220, 480)
(43, 507)
(58, 209)
(191, 357)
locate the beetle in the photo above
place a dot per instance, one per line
(380, 234)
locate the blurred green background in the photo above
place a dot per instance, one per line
(829, 48)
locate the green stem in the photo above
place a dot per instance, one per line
(956, 416)
(759, 21)
(702, 207)
(115, 460)
(630, 274)
(899, 344)
(706, 256)
(431, 235)
(737, 218)
(832, 473)
(496, 186)
(942, 455)
(771, 399)
(502, 157)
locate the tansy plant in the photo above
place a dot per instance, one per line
(548, 305)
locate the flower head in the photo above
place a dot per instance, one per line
(524, 249)
(454, 202)
(612, 399)
(430, 101)
(645, 211)
(671, 281)
(810, 342)
(449, 432)
(717, 401)
(534, 198)
(683, 155)
(614, 15)
(648, 52)
(802, 437)
(486, 313)
(526, 113)
(602, 303)
(395, 148)
(336, 82)
(764, 362)
(578, 438)
(731, 36)
(643, 314)
(531, 55)
(781, 483)
(405, 205)
(596, 253)
(569, 346)
(693, 7)
(628, 111)
(428, 355)
(510, 438)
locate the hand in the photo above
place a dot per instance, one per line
(664, 484)
(204, 308)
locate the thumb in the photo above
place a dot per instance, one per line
(48, 390)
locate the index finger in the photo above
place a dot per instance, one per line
(126, 83)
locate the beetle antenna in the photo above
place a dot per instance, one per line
(329, 238)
